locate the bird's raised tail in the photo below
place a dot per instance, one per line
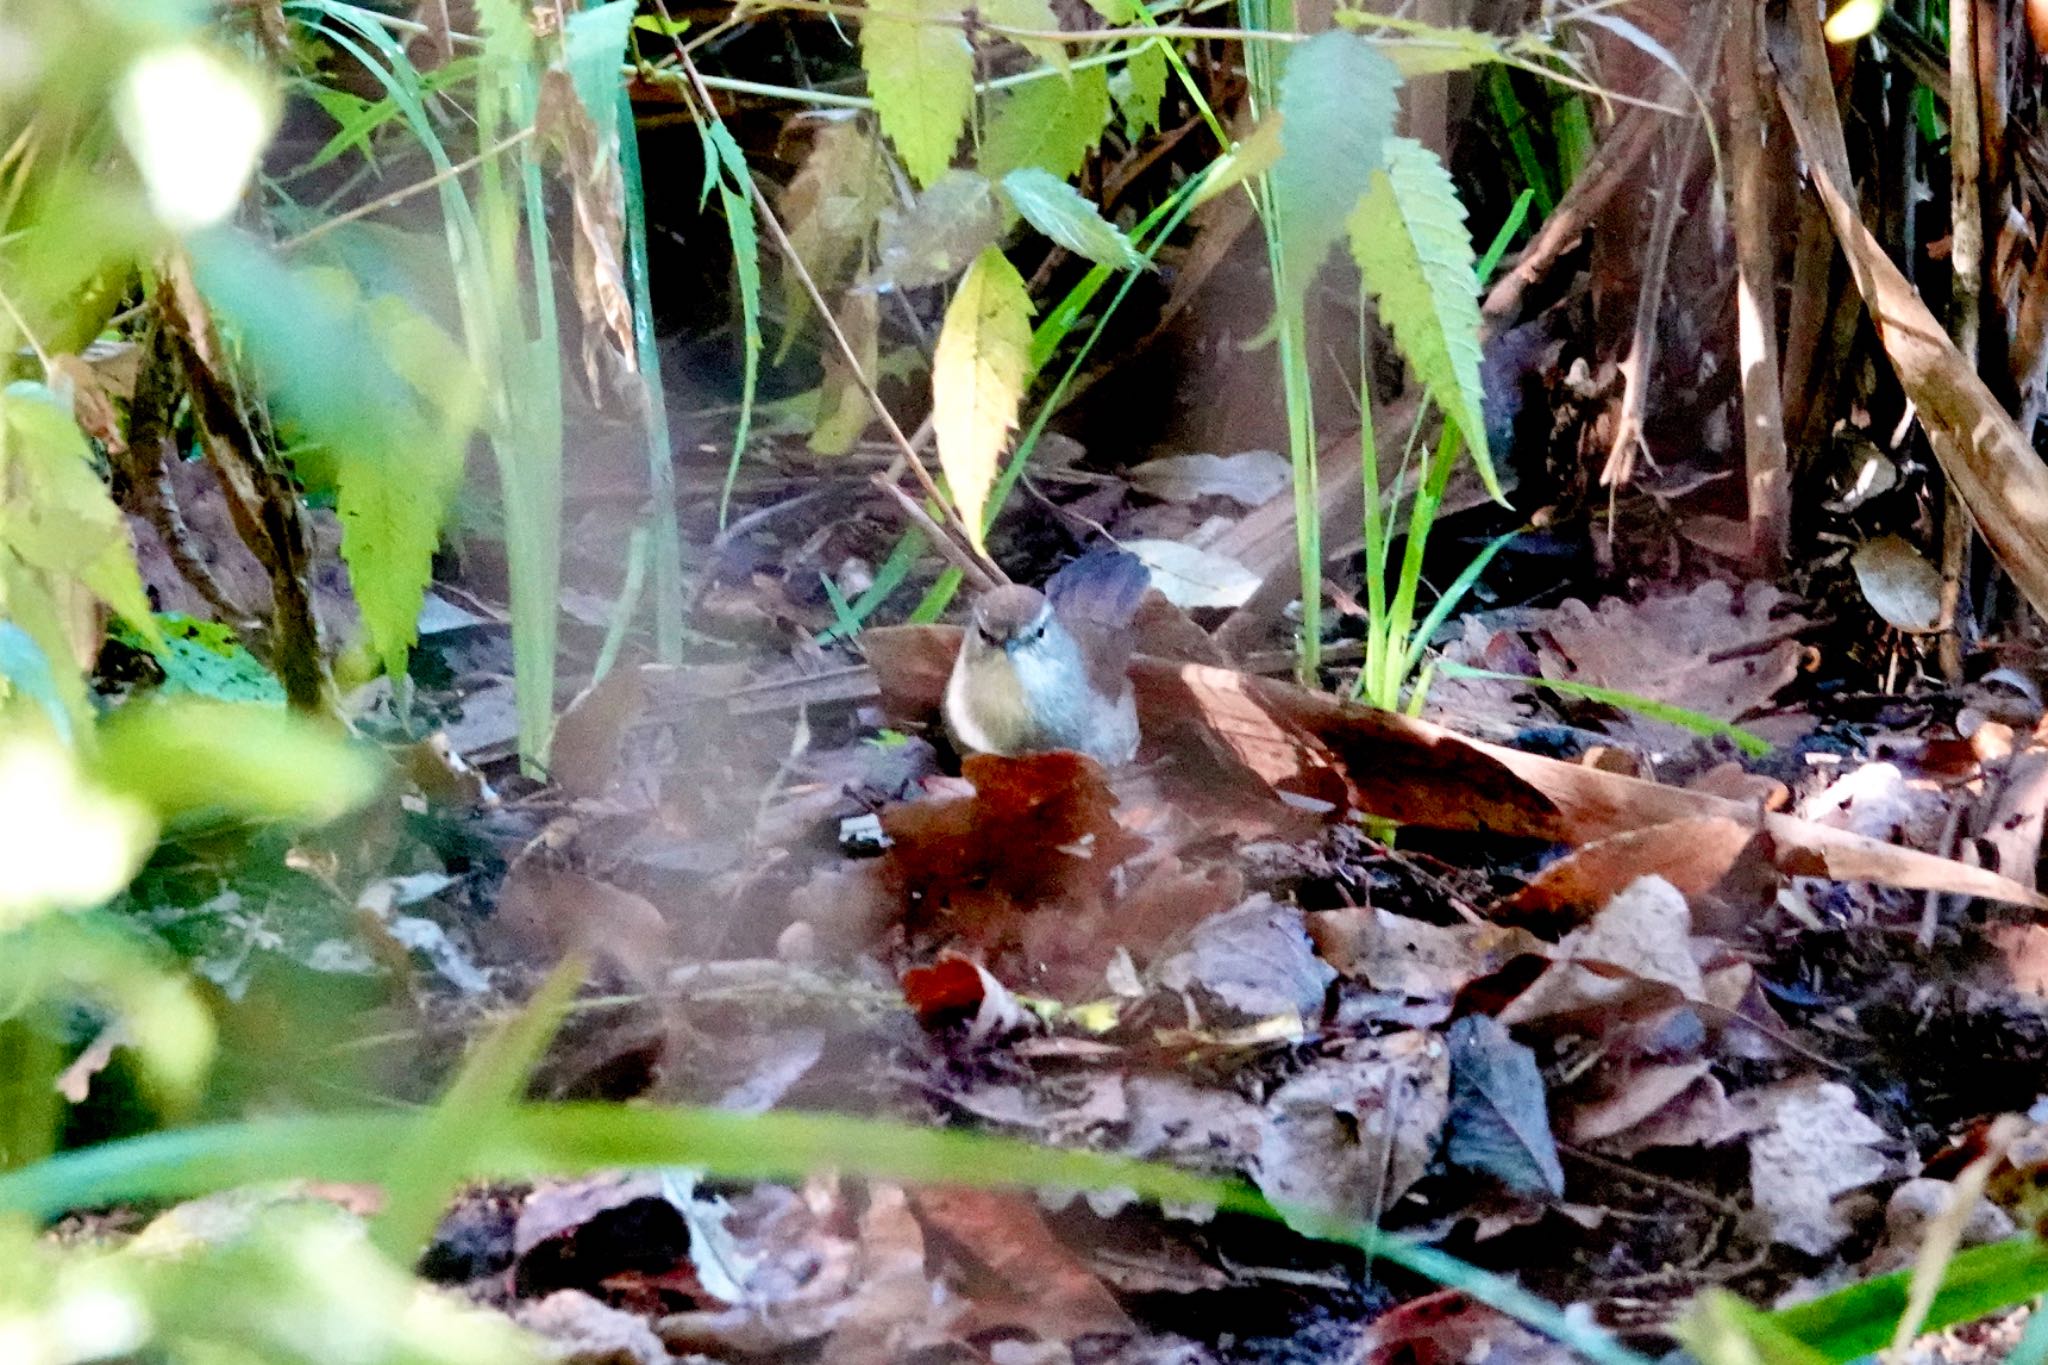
(1102, 588)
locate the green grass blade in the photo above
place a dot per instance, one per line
(1753, 745)
(526, 1141)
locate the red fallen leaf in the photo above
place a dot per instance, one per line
(950, 986)
(958, 988)
(1017, 1274)
(1037, 833)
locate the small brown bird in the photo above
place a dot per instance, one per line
(1048, 670)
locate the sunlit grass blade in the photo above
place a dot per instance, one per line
(1752, 744)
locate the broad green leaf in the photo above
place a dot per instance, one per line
(1337, 96)
(1408, 236)
(725, 163)
(187, 757)
(1857, 1320)
(1140, 86)
(829, 210)
(1720, 1329)
(204, 659)
(939, 235)
(58, 518)
(978, 377)
(921, 74)
(1062, 213)
(1030, 14)
(1050, 124)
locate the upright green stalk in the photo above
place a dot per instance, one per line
(1262, 65)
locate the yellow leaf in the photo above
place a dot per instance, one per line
(978, 380)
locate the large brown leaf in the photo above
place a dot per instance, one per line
(1306, 746)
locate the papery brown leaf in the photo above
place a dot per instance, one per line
(1020, 1275)
(1693, 855)
(584, 755)
(548, 911)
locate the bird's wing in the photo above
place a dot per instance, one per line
(1095, 598)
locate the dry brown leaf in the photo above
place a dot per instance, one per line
(584, 756)
(597, 200)
(1295, 744)
(1354, 1131)
(1816, 1146)
(1636, 950)
(547, 912)
(1692, 855)
(1021, 1275)
(1706, 649)
(1899, 584)
(1412, 958)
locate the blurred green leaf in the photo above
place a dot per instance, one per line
(66, 842)
(193, 758)
(60, 519)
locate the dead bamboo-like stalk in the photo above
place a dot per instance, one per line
(1966, 262)
(1763, 407)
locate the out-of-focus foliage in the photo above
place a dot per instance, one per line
(255, 1276)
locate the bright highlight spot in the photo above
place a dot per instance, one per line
(195, 125)
(1855, 19)
(64, 844)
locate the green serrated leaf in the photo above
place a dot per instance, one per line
(1423, 48)
(1118, 12)
(921, 73)
(1062, 213)
(978, 375)
(1408, 236)
(1050, 124)
(391, 521)
(1139, 88)
(1337, 100)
